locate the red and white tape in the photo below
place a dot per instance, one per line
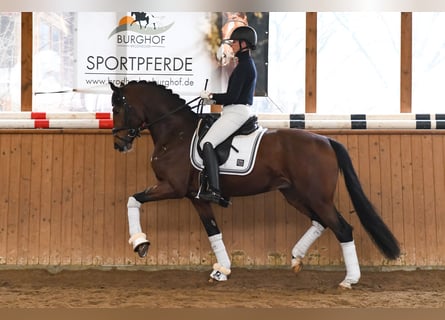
(47, 120)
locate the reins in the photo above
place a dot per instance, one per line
(136, 132)
(187, 104)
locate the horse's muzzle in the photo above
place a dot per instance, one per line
(122, 148)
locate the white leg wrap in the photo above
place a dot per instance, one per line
(351, 264)
(134, 224)
(221, 269)
(312, 234)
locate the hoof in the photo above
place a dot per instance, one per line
(219, 273)
(217, 276)
(142, 249)
(344, 286)
(297, 265)
(347, 284)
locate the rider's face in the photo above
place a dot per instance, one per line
(235, 46)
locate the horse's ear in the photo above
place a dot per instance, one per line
(112, 86)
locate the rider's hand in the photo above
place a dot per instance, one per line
(206, 95)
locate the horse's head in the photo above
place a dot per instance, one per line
(127, 121)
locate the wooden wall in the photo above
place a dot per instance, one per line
(63, 196)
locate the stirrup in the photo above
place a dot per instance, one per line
(214, 197)
(210, 195)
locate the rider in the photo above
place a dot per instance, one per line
(236, 104)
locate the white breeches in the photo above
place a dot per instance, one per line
(231, 119)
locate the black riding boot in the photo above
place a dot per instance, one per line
(212, 168)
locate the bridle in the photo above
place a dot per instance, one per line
(136, 132)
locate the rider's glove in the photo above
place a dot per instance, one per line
(206, 95)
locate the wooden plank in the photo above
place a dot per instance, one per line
(24, 201)
(99, 201)
(418, 201)
(409, 231)
(45, 201)
(34, 218)
(66, 241)
(78, 198)
(280, 235)
(26, 61)
(259, 253)
(110, 209)
(162, 232)
(56, 201)
(13, 240)
(439, 183)
(406, 62)
(88, 202)
(5, 160)
(173, 231)
(429, 210)
(311, 62)
(184, 233)
(195, 237)
(269, 236)
(290, 230)
(238, 247)
(248, 231)
(120, 220)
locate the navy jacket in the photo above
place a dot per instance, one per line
(242, 81)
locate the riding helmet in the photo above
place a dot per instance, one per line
(247, 34)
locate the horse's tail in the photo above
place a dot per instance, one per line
(369, 218)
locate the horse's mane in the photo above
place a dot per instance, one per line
(157, 85)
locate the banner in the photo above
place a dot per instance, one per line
(179, 50)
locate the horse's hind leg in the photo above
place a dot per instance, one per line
(343, 232)
(325, 215)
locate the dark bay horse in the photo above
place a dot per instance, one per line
(303, 166)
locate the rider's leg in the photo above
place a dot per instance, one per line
(212, 168)
(231, 119)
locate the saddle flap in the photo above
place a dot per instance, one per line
(224, 148)
(241, 153)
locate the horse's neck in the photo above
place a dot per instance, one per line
(173, 128)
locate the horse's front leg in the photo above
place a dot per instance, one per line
(221, 269)
(138, 239)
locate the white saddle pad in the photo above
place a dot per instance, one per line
(241, 160)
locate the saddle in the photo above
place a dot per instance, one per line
(223, 149)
